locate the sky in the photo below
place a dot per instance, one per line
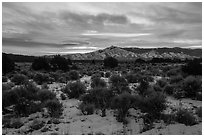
(66, 28)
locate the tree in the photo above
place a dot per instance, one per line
(110, 62)
(41, 63)
(7, 64)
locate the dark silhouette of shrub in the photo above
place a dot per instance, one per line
(7, 64)
(45, 94)
(107, 74)
(122, 103)
(142, 88)
(60, 63)
(185, 117)
(162, 82)
(119, 84)
(169, 89)
(100, 97)
(192, 86)
(86, 108)
(133, 78)
(55, 108)
(19, 79)
(98, 82)
(193, 67)
(4, 79)
(110, 62)
(41, 78)
(74, 90)
(73, 75)
(41, 63)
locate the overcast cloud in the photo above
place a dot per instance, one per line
(47, 28)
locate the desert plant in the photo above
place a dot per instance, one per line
(122, 103)
(37, 124)
(110, 62)
(75, 89)
(193, 67)
(12, 122)
(199, 112)
(8, 65)
(107, 74)
(176, 79)
(55, 108)
(192, 86)
(168, 89)
(41, 78)
(73, 75)
(60, 63)
(63, 96)
(45, 94)
(4, 79)
(86, 108)
(98, 82)
(118, 84)
(19, 79)
(41, 63)
(185, 117)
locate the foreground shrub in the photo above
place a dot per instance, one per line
(55, 108)
(185, 117)
(19, 79)
(98, 82)
(74, 90)
(37, 124)
(100, 97)
(86, 108)
(45, 94)
(192, 86)
(122, 103)
(12, 122)
(110, 62)
(73, 75)
(119, 84)
(193, 67)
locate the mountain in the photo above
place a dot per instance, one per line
(134, 53)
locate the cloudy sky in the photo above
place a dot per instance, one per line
(51, 28)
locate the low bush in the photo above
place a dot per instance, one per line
(133, 78)
(199, 112)
(86, 108)
(4, 79)
(162, 82)
(98, 82)
(73, 75)
(169, 89)
(41, 78)
(122, 103)
(74, 90)
(12, 123)
(107, 74)
(45, 94)
(7, 86)
(37, 124)
(19, 79)
(185, 117)
(176, 79)
(63, 96)
(119, 84)
(192, 85)
(55, 108)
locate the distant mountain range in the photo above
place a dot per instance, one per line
(134, 53)
(124, 54)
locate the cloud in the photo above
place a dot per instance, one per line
(117, 34)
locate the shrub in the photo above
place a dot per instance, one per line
(153, 104)
(44, 86)
(55, 108)
(75, 89)
(199, 112)
(45, 94)
(107, 74)
(41, 78)
(176, 79)
(162, 82)
(37, 124)
(60, 63)
(98, 82)
(74, 75)
(86, 108)
(133, 78)
(8, 65)
(142, 88)
(100, 97)
(192, 86)
(19, 79)
(193, 67)
(7, 86)
(185, 117)
(12, 123)
(118, 84)
(4, 79)
(110, 62)
(172, 72)
(122, 103)
(169, 89)
(63, 96)
(41, 63)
